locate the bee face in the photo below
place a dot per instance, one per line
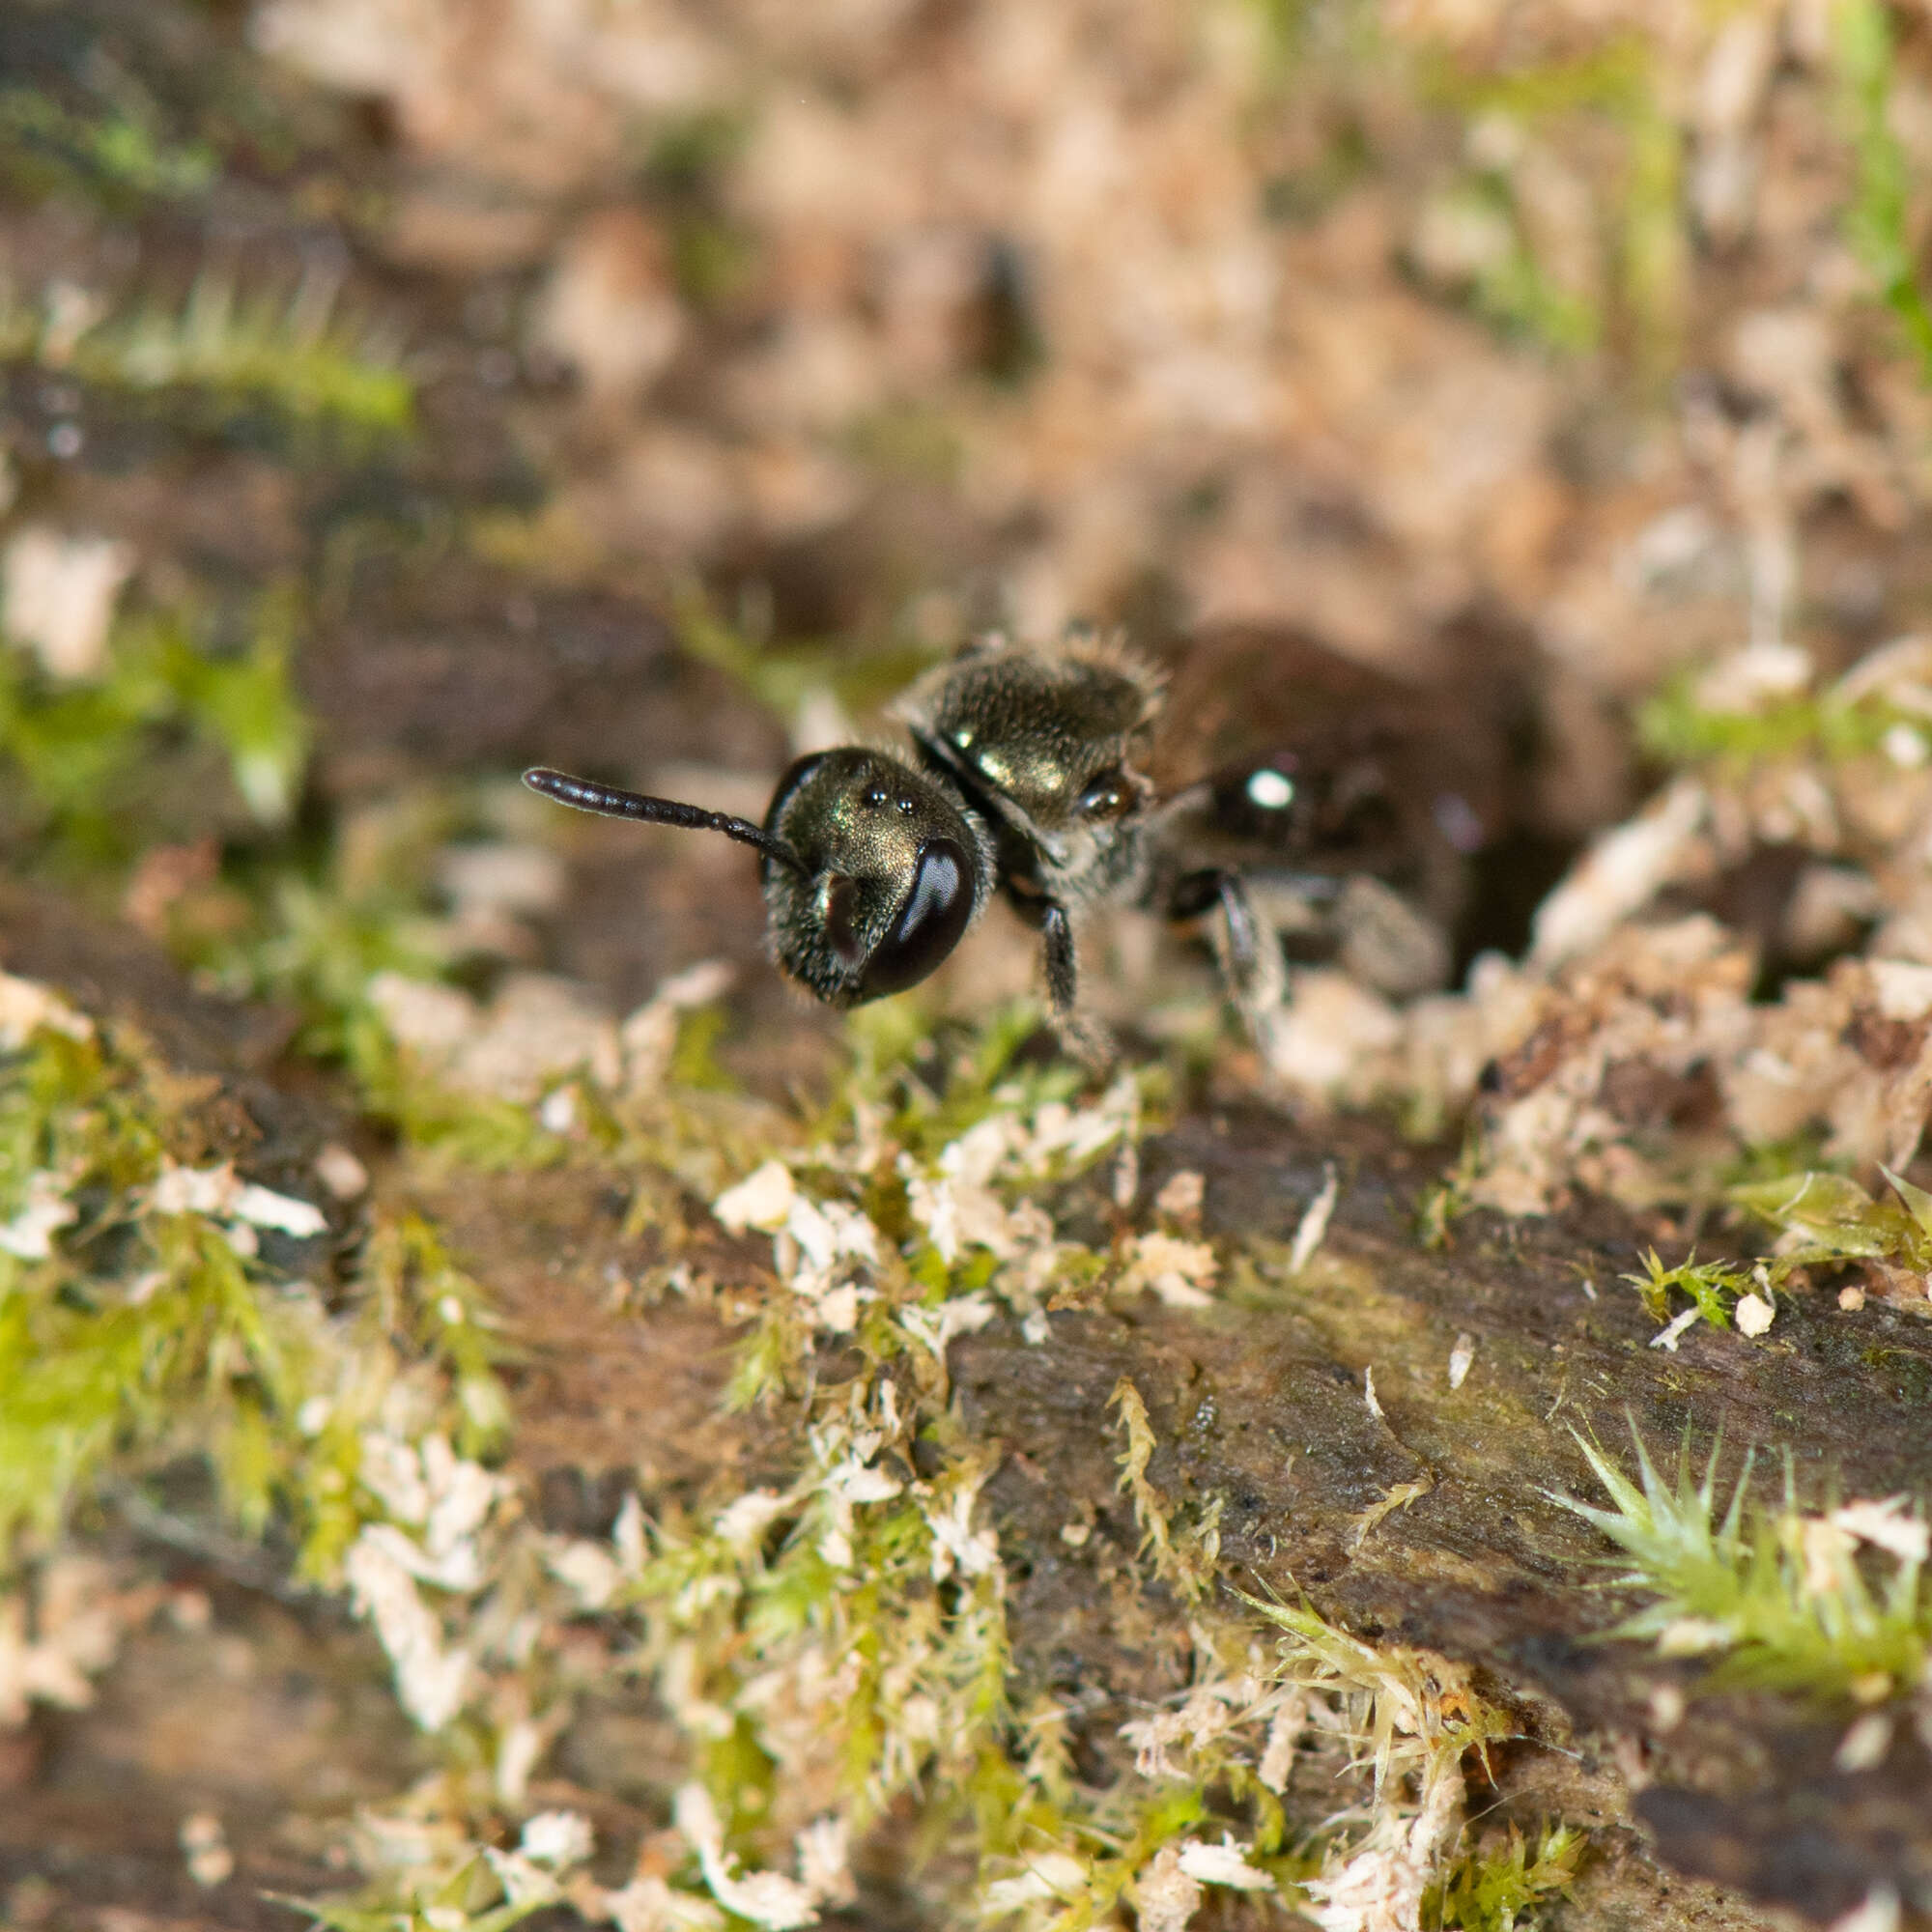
(871, 871)
(890, 873)
(1046, 743)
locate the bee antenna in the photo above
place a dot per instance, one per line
(613, 803)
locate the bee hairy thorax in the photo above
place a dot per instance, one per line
(1045, 746)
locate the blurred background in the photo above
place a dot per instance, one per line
(401, 392)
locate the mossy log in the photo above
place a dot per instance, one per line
(1316, 1405)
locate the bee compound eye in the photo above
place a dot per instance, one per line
(1108, 796)
(842, 906)
(930, 921)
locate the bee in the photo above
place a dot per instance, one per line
(1025, 776)
(1366, 812)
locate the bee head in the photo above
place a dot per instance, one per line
(890, 871)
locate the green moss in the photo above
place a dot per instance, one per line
(1654, 253)
(1711, 1287)
(137, 1331)
(1836, 1220)
(434, 1117)
(1674, 729)
(247, 702)
(847, 1626)
(783, 678)
(1779, 1597)
(689, 152)
(1774, 1160)
(1877, 220)
(1617, 83)
(984, 1076)
(139, 1321)
(712, 259)
(117, 156)
(473, 1898)
(1612, 78)
(865, 1572)
(1513, 292)
(310, 946)
(289, 354)
(420, 1296)
(1183, 1561)
(87, 748)
(312, 932)
(853, 1583)
(1519, 298)
(1490, 1888)
(1415, 1712)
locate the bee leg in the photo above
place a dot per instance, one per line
(1083, 1036)
(1248, 952)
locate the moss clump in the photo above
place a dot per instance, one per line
(834, 1646)
(1877, 218)
(1714, 1288)
(1675, 728)
(1828, 1219)
(1779, 1597)
(289, 354)
(134, 1321)
(87, 748)
(1492, 1887)
(118, 156)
